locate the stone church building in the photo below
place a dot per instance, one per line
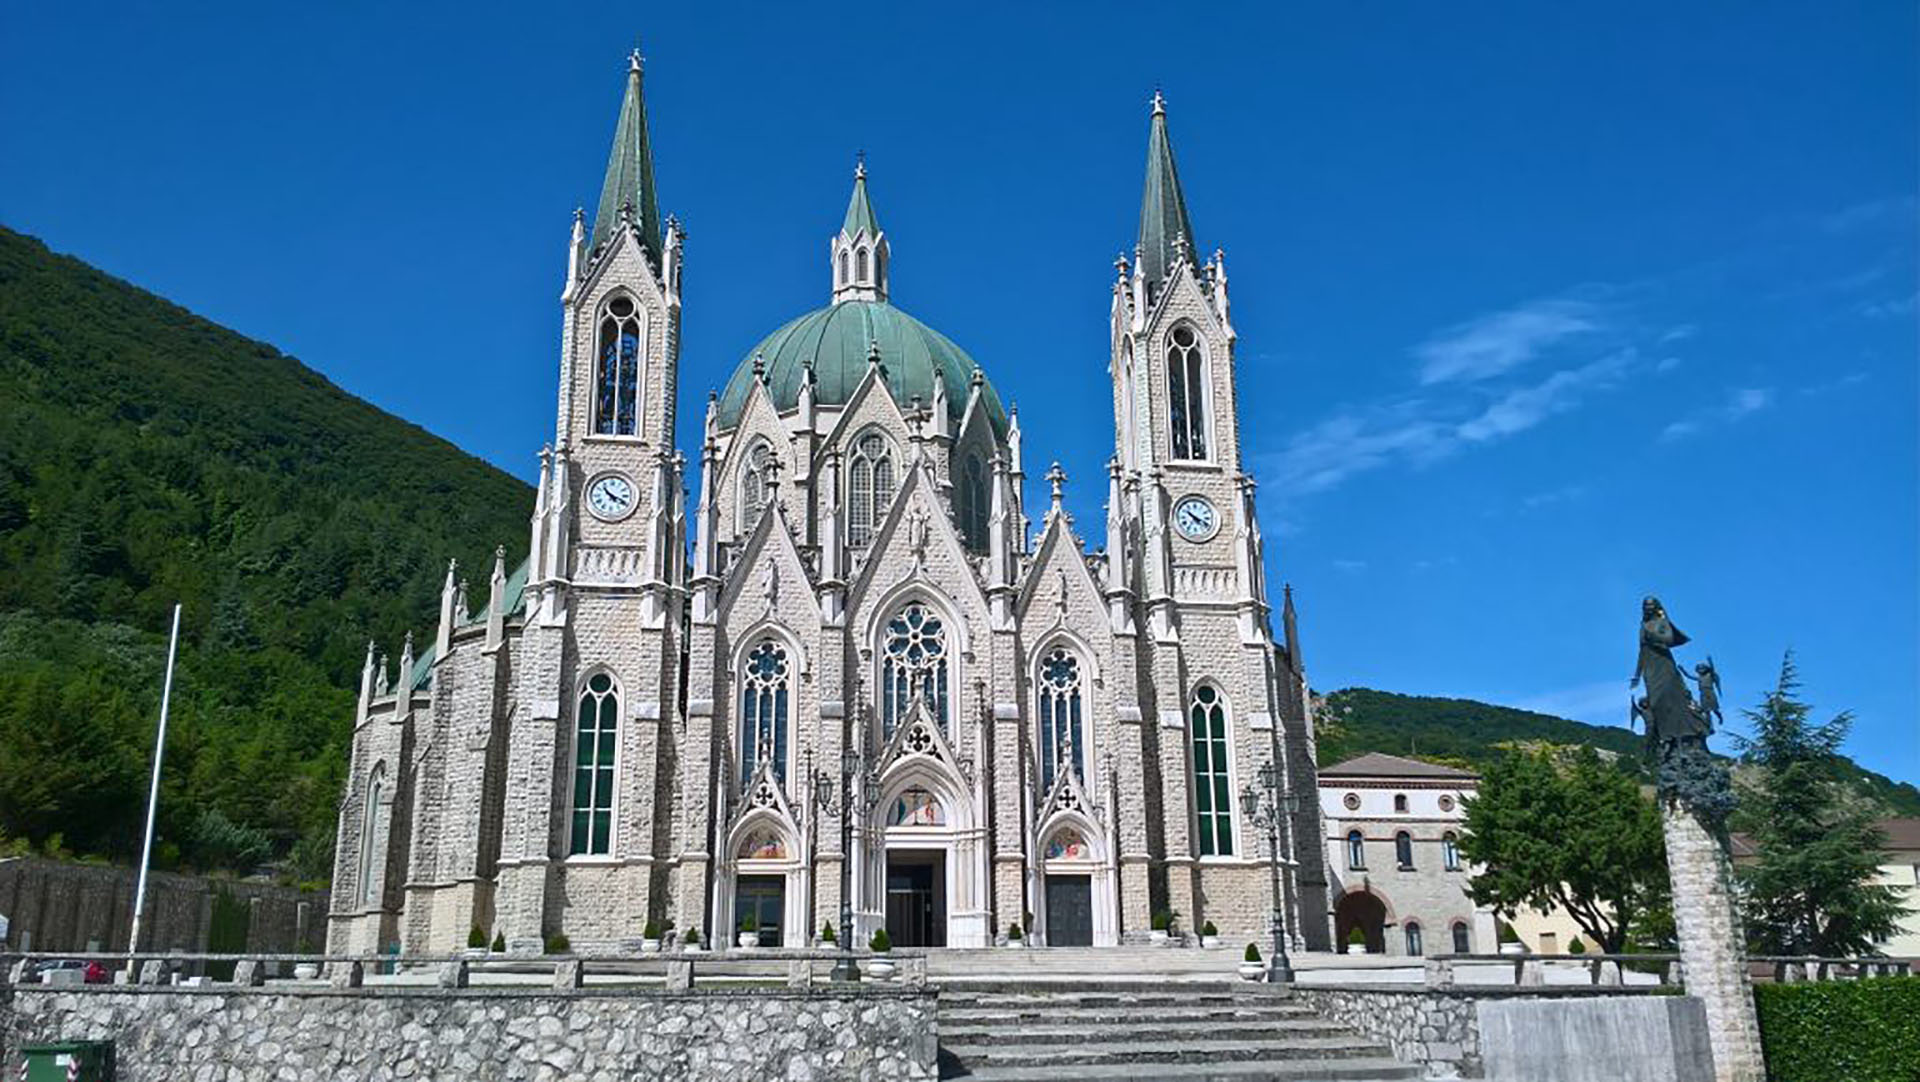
(858, 648)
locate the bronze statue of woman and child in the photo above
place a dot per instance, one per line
(1677, 726)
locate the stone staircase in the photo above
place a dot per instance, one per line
(1061, 1029)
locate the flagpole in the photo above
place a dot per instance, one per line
(153, 790)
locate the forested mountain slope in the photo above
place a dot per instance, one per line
(148, 455)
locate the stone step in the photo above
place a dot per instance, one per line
(956, 1033)
(1006, 1053)
(1042, 1014)
(1346, 1070)
(1155, 995)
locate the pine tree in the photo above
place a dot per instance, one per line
(1812, 891)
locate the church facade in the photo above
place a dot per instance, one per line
(856, 660)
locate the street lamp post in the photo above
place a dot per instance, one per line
(1266, 808)
(851, 764)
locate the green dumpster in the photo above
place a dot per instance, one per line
(68, 1061)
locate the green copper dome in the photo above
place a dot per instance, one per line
(836, 341)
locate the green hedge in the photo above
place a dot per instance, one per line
(1841, 1031)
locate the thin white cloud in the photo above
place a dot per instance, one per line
(1666, 364)
(1563, 494)
(1891, 309)
(1351, 567)
(1525, 407)
(1354, 442)
(1493, 344)
(1741, 402)
(1602, 702)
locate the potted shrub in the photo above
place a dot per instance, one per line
(749, 931)
(558, 944)
(1209, 935)
(1356, 941)
(1015, 936)
(827, 934)
(650, 938)
(1578, 946)
(499, 942)
(691, 941)
(881, 967)
(1162, 924)
(1251, 968)
(1510, 940)
(306, 971)
(476, 942)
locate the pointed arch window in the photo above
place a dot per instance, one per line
(843, 267)
(617, 384)
(973, 500)
(596, 737)
(860, 266)
(914, 664)
(1125, 429)
(1212, 776)
(869, 487)
(764, 698)
(1186, 393)
(372, 835)
(1060, 710)
(754, 489)
(1356, 851)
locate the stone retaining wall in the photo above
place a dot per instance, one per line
(1437, 1028)
(309, 1035)
(62, 906)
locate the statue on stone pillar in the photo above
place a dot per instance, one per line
(1677, 727)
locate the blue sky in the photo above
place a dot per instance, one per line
(1539, 309)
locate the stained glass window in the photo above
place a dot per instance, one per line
(763, 709)
(869, 487)
(915, 664)
(916, 808)
(617, 406)
(1212, 778)
(595, 737)
(1060, 716)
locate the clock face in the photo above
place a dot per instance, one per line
(610, 496)
(1195, 518)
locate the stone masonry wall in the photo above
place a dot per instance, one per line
(53, 905)
(164, 1035)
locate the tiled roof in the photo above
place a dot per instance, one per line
(1376, 764)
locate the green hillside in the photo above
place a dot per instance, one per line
(1461, 731)
(148, 455)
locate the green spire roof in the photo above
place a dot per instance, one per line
(859, 209)
(630, 172)
(1163, 209)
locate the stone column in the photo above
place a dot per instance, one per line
(1712, 946)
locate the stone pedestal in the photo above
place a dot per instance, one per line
(1712, 946)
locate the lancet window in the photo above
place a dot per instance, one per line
(1186, 393)
(596, 738)
(914, 665)
(765, 698)
(1212, 776)
(1060, 712)
(617, 401)
(870, 480)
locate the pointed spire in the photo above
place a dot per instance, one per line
(629, 182)
(1166, 233)
(860, 215)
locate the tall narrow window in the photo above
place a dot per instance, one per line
(1212, 779)
(1462, 938)
(1414, 946)
(753, 485)
(869, 487)
(843, 268)
(1400, 802)
(763, 709)
(372, 835)
(1450, 851)
(1403, 849)
(1125, 429)
(595, 735)
(915, 665)
(617, 408)
(1356, 851)
(860, 264)
(1060, 717)
(1186, 393)
(973, 500)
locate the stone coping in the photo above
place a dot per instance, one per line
(843, 990)
(1492, 991)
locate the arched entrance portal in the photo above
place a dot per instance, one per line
(1365, 911)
